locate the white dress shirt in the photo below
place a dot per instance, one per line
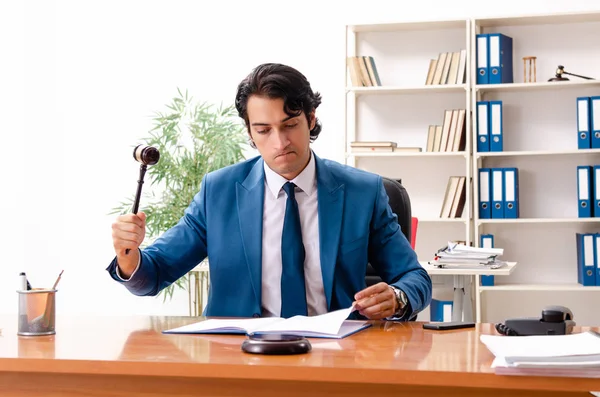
(273, 215)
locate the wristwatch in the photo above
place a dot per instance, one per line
(401, 301)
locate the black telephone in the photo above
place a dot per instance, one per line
(556, 320)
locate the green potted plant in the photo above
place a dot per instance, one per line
(193, 138)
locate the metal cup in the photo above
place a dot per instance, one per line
(37, 312)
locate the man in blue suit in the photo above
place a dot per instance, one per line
(286, 233)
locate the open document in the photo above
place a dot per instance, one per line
(329, 325)
(546, 352)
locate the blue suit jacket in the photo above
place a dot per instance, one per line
(224, 221)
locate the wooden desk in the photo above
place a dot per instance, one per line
(128, 356)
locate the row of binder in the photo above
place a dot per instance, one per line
(489, 126)
(588, 191)
(588, 263)
(588, 122)
(499, 193)
(494, 58)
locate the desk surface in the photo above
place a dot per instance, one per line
(395, 354)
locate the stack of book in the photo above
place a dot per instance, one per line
(380, 146)
(460, 254)
(363, 72)
(451, 135)
(372, 146)
(454, 200)
(448, 68)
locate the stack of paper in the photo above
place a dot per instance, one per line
(464, 255)
(563, 355)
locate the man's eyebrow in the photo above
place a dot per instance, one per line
(265, 124)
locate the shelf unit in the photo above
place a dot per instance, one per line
(393, 90)
(389, 105)
(401, 109)
(540, 138)
(539, 287)
(480, 222)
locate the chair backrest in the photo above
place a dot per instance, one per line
(399, 202)
(413, 232)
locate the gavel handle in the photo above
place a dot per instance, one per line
(576, 75)
(138, 194)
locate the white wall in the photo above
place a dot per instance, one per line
(79, 81)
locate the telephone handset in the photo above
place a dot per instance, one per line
(555, 320)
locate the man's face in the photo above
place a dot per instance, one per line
(283, 141)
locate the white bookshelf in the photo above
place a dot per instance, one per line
(481, 222)
(569, 152)
(387, 112)
(443, 220)
(425, 89)
(540, 138)
(541, 287)
(538, 86)
(411, 154)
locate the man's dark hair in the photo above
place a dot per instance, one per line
(274, 80)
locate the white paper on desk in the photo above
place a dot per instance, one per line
(543, 348)
(566, 362)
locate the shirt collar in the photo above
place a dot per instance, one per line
(305, 180)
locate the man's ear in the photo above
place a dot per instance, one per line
(313, 120)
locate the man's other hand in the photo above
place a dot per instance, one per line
(376, 302)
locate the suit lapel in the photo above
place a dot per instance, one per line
(330, 207)
(250, 196)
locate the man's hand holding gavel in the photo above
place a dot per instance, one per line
(128, 232)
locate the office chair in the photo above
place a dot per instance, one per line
(400, 204)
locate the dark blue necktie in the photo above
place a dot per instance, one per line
(293, 289)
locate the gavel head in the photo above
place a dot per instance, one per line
(146, 155)
(560, 70)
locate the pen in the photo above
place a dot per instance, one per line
(25, 286)
(57, 280)
(23, 281)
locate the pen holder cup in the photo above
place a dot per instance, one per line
(37, 312)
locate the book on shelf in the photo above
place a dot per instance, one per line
(451, 135)
(380, 146)
(333, 325)
(454, 200)
(448, 68)
(363, 72)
